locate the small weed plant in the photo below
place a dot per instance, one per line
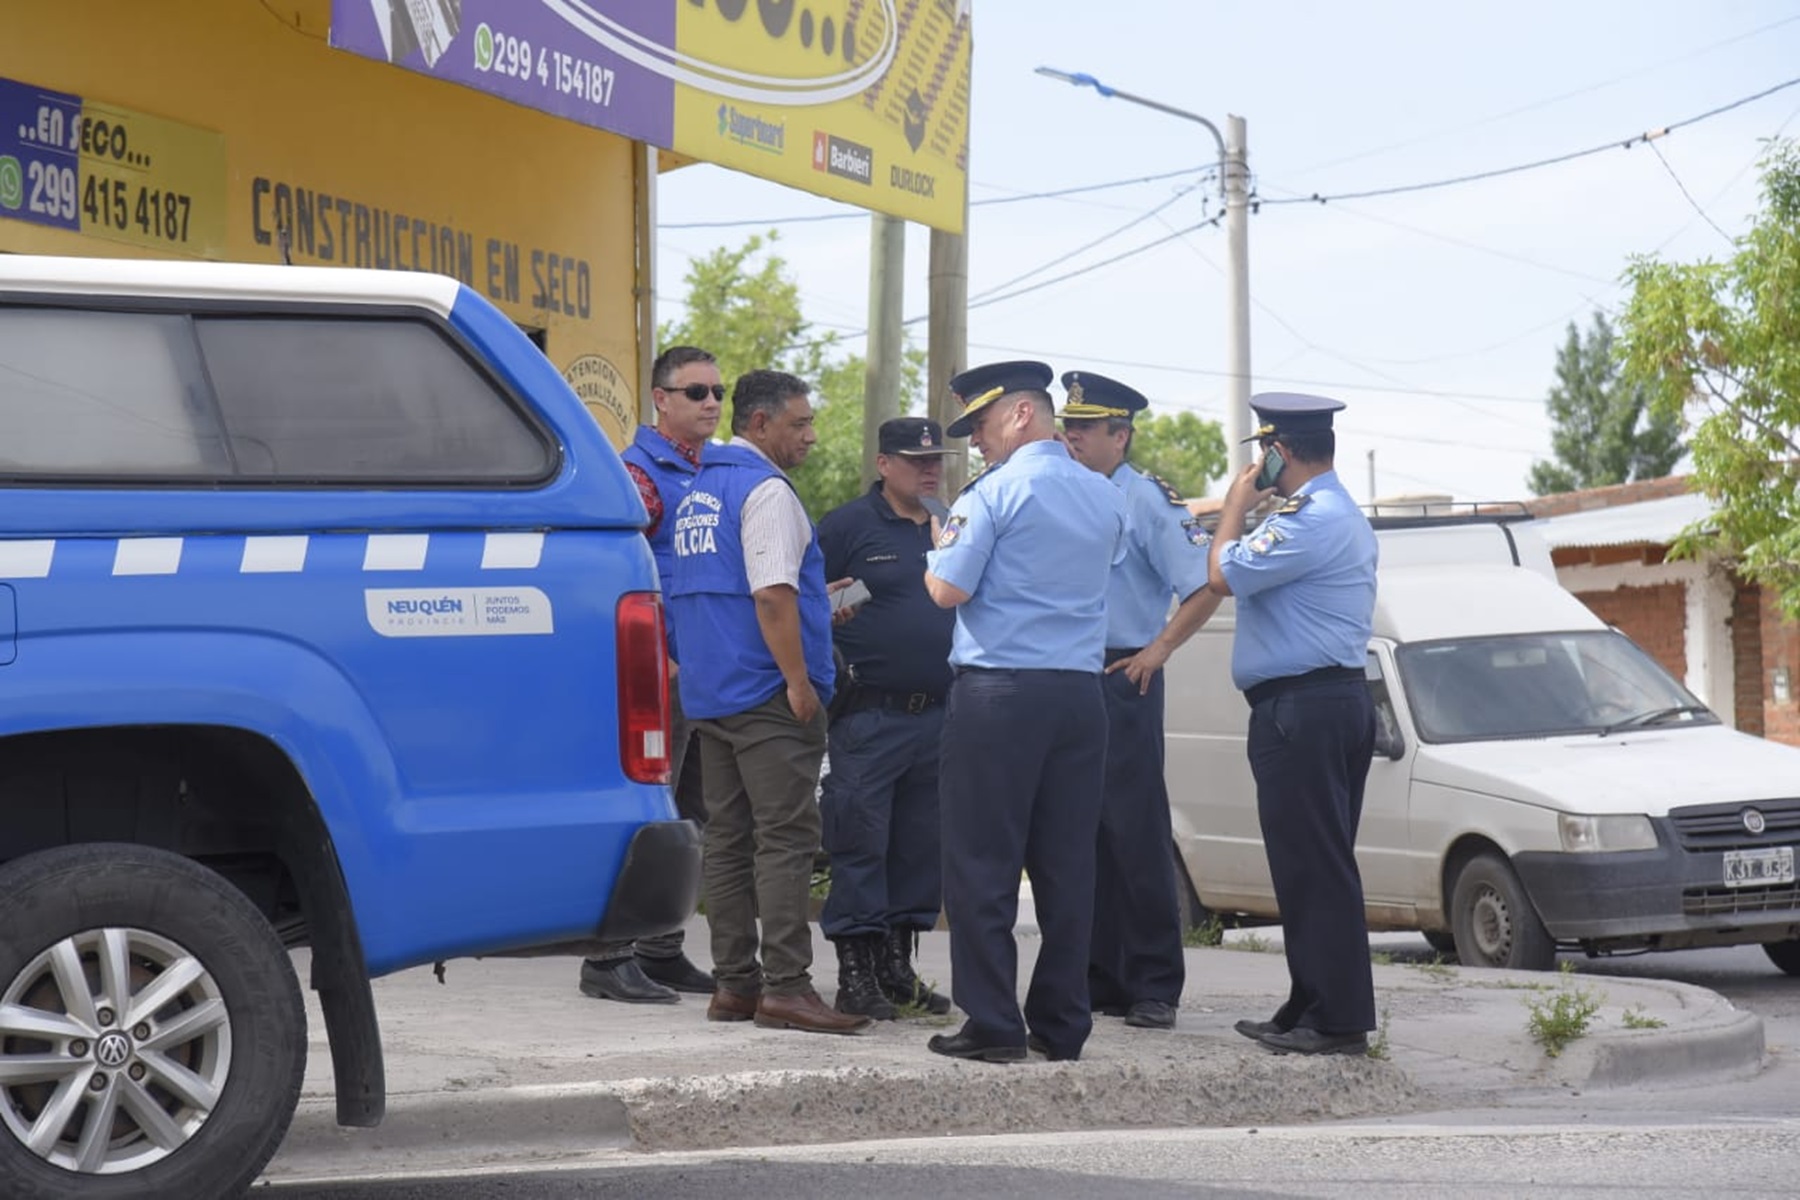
(1378, 1045)
(1210, 932)
(1253, 943)
(1561, 1015)
(1636, 1018)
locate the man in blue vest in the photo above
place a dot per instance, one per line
(662, 461)
(1136, 969)
(1024, 558)
(1305, 587)
(753, 614)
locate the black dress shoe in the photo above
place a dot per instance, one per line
(1151, 1014)
(677, 973)
(1038, 1045)
(965, 1043)
(1254, 1030)
(1301, 1040)
(619, 979)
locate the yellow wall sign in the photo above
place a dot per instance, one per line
(865, 101)
(152, 182)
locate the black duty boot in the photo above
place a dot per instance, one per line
(895, 972)
(858, 992)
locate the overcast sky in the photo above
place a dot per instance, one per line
(1435, 315)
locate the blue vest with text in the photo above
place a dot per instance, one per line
(726, 666)
(672, 474)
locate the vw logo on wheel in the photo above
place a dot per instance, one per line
(1754, 822)
(112, 1050)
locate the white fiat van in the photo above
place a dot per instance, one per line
(1539, 781)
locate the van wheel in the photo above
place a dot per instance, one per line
(152, 1034)
(1495, 923)
(1194, 915)
(1785, 955)
(1441, 940)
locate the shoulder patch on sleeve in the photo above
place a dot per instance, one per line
(951, 531)
(1293, 505)
(1168, 489)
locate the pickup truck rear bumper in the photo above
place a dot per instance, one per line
(658, 884)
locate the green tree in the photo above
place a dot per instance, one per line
(1180, 447)
(1719, 344)
(1606, 430)
(743, 304)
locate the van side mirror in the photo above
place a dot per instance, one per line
(1389, 741)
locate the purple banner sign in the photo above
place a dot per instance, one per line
(521, 50)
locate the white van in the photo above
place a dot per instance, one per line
(1539, 781)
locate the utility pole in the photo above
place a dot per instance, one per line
(947, 352)
(1236, 167)
(887, 292)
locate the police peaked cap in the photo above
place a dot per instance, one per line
(980, 386)
(1096, 398)
(1291, 412)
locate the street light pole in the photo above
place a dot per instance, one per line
(1234, 184)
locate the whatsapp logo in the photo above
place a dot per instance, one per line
(484, 47)
(12, 182)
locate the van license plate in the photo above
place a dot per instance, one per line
(1752, 868)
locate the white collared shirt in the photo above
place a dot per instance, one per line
(775, 530)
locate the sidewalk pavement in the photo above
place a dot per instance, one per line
(506, 1061)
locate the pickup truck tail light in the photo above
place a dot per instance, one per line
(643, 688)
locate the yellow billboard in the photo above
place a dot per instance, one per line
(864, 101)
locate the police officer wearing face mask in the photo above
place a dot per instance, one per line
(1305, 586)
(1137, 969)
(1024, 558)
(879, 803)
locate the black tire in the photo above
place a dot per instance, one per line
(1194, 915)
(1785, 955)
(237, 1026)
(1494, 920)
(1441, 940)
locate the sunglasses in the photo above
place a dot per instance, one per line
(698, 392)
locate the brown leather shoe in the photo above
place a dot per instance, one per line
(727, 1005)
(805, 1011)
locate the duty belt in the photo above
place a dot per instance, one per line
(907, 702)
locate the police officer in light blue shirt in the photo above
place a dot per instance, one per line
(1305, 586)
(1024, 557)
(1136, 968)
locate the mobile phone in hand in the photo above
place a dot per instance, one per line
(1272, 464)
(857, 593)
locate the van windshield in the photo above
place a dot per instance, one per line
(1540, 685)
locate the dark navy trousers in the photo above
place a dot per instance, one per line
(1309, 750)
(879, 811)
(1024, 757)
(1136, 952)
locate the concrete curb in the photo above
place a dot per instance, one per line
(764, 1108)
(1713, 1040)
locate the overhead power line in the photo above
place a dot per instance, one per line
(859, 214)
(1624, 144)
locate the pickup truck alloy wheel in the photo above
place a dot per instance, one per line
(1495, 922)
(152, 1038)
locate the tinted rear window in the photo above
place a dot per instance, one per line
(318, 400)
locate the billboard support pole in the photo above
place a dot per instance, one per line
(887, 339)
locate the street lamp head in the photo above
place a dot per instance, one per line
(1078, 78)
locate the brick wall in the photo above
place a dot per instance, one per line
(1750, 679)
(1653, 617)
(1780, 648)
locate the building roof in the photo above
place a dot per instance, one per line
(1644, 523)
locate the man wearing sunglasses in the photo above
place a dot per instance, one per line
(662, 461)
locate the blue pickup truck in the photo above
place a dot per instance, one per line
(325, 620)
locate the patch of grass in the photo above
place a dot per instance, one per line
(1378, 1045)
(912, 1010)
(1381, 958)
(1210, 932)
(1436, 969)
(1562, 1015)
(1253, 943)
(1636, 1018)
